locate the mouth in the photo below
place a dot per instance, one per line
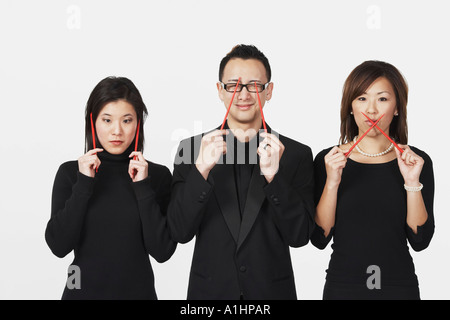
(244, 107)
(370, 123)
(116, 142)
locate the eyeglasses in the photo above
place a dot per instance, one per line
(230, 87)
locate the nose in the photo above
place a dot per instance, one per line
(117, 128)
(244, 94)
(372, 107)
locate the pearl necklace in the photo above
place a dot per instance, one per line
(372, 154)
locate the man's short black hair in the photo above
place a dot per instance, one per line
(245, 52)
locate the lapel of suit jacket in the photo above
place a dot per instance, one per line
(255, 198)
(225, 191)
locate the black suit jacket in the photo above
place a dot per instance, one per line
(249, 258)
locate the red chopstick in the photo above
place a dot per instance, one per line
(228, 110)
(389, 138)
(137, 138)
(93, 136)
(260, 109)
(360, 138)
(93, 131)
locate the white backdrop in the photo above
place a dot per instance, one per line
(53, 53)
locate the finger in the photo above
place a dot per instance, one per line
(139, 156)
(216, 133)
(94, 151)
(263, 153)
(337, 155)
(274, 141)
(338, 164)
(334, 150)
(97, 164)
(134, 168)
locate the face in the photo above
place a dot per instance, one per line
(116, 126)
(377, 100)
(245, 106)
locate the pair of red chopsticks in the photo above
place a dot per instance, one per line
(374, 124)
(231, 102)
(135, 145)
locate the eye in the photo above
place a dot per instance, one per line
(106, 120)
(361, 99)
(383, 99)
(128, 120)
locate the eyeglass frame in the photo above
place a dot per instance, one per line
(265, 85)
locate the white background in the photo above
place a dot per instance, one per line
(53, 53)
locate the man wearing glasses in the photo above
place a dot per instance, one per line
(246, 194)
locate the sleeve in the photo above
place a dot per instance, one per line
(292, 200)
(422, 239)
(318, 238)
(190, 194)
(70, 197)
(152, 203)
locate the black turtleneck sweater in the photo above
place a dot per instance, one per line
(112, 225)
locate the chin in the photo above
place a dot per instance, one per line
(115, 150)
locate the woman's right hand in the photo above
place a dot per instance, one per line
(89, 162)
(335, 162)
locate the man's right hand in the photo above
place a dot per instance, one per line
(212, 147)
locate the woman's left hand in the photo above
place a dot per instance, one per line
(410, 165)
(138, 169)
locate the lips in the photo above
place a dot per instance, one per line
(116, 142)
(244, 106)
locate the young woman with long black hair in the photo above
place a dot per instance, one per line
(109, 207)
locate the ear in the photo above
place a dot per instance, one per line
(220, 90)
(269, 91)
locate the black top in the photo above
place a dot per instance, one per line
(370, 226)
(112, 224)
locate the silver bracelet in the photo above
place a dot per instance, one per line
(413, 189)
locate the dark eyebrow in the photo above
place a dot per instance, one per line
(125, 115)
(378, 92)
(251, 81)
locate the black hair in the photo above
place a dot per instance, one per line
(245, 52)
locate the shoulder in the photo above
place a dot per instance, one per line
(321, 155)
(158, 170)
(428, 163)
(198, 137)
(294, 146)
(421, 153)
(68, 168)
(67, 173)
